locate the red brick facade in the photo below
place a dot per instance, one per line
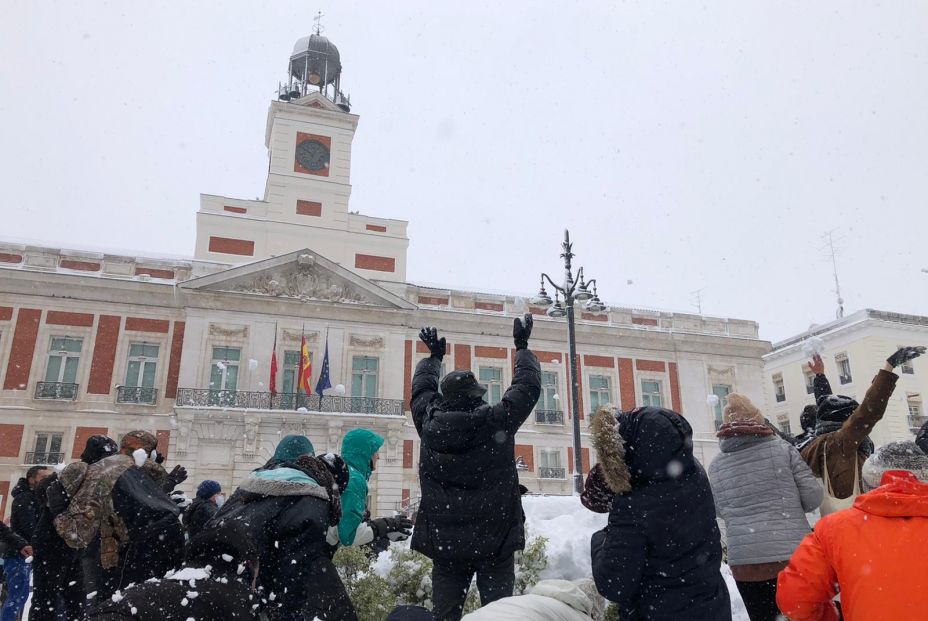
(526, 452)
(226, 245)
(489, 306)
(10, 258)
(490, 352)
(594, 317)
(22, 349)
(462, 358)
(675, 399)
(177, 347)
(584, 459)
(234, 209)
(407, 372)
(606, 362)
(374, 263)
(155, 272)
(309, 208)
(140, 324)
(164, 441)
(62, 318)
(11, 438)
(627, 383)
(376, 228)
(656, 366)
(407, 454)
(104, 355)
(6, 313)
(645, 321)
(80, 439)
(83, 266)
(433, 301)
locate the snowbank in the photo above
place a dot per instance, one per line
(568, 526)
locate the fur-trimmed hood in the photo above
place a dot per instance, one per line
(610, 450)
(282, 481)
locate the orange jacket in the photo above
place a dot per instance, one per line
(875, 551)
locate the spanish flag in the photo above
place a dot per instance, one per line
(306, 368)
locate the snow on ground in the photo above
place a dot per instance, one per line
(568, 526)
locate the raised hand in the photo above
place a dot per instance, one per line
(178, 475)
(904, 354)
(817, 366)
(436, 345)
(522, 330)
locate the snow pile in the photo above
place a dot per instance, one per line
(568, 526)
(813, 346)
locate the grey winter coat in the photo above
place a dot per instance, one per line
(763, 489)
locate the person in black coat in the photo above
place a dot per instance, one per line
(287, 509)
(470, 516)
(660, 555)
(212, 584)
(57, 578)
(23, 518)
(204, 506)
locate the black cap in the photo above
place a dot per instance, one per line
(836, 408)
(461, 384)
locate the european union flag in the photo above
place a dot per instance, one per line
(324, 382)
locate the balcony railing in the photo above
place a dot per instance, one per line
(845, 379)
(781, 397)
(916, 422)
(199, 397)
(549, 417)
(552, 473)
(44, 458)
(136, 394)
(55, 390)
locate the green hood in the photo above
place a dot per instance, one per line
(292, 448)
(358, 449)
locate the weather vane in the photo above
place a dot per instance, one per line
(318, 22)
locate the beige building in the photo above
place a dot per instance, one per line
(856, 346)
(96, 342)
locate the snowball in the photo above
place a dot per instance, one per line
(139, 456)
(302, 410)
(340, 389)
(712, 400)
(813, 346)
(117, 597)
(227, 558)
(252, 364)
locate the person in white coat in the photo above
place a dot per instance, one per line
(549, 600)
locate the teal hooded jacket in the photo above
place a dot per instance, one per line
(358, 449)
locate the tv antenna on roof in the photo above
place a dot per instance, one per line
(317, 21)
(698, 295)
(829, 248)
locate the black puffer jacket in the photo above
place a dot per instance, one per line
(659, 557)
(25, 512)
(471, 507)
(287, 515)
(200, 511)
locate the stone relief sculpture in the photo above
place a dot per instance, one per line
(304, 281)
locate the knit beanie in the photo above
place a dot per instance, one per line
(293, 447)
(741, 410)
(894, 456)
(208, 488)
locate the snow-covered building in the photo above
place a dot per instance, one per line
(104, 342)
(853, 348)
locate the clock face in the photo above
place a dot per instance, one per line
(312, 155)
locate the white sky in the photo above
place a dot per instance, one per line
(685, 145)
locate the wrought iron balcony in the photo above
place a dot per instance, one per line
(55, 390)
(549, 417)
(781, 397)
(916, 422)
(136, 394)
(44, 458)
(241, 399)
(552, 473)
(845, 379)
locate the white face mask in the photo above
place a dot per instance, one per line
(220, 500)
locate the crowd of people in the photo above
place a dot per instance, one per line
(108, 538)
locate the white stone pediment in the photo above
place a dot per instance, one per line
(301, 275)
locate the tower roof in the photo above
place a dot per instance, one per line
(317, 58)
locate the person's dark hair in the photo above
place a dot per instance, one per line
(31, 472)
(807, 418)
(41, 488)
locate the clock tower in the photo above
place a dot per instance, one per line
(309, 135)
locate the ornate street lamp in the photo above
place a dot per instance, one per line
(574, 289)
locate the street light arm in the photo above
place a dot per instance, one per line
(555, 285)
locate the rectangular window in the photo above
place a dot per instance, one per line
(651, 393)
(142, 364)
(906, 367)
(844, 369)
(779, 389)
(224, 369)
(291, 371)
(810, 381)
(46, 449)
(721, 391)
(600, 392)
(550, 465)
(783, 424)
(916, 413)
(492, 378)
(64, 357)
(364, 376)
(549, 398)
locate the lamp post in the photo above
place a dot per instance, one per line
(574, 289)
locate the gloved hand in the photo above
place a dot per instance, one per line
(436, 345)
(178, 475)
(395, 528)
(58, 498)
(904, 354)
(522, 330)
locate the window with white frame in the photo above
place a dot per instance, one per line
(550, 464)
(779, 388)
(600, 392)
(810, 380)
(549, 400)
(492, 378)
(844, 369)
(916, 413)
(46, 449)
(721, 391)
(364, 376)
(142, 365)
(907, 367)
(291, 371)
(783, 424)
(651, 393)
(223, 373)
(64, 357)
